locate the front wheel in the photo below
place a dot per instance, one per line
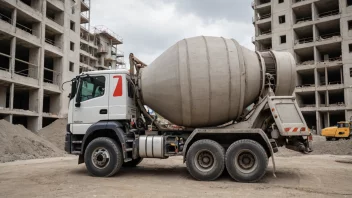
(246, 161)
(103, 157)
(205, 160)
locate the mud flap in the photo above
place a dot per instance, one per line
(80, 159)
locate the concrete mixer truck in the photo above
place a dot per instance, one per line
(203, 84)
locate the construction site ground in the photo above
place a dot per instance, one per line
(297, 176)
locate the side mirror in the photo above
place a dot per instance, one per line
(78, 104)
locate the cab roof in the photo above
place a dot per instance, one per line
(110, 71)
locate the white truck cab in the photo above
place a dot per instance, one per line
(101, 96)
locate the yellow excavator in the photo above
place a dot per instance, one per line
(343, 130)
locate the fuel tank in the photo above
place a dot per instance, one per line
(207, 81)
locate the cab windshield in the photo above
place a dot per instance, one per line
(343, 125)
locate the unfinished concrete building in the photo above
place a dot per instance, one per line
(319, 35)
(40, 48)
(98, 49)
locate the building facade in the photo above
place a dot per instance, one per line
(319, 35)
(40, 48)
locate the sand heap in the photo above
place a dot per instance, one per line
(18, 143)
(55, 133)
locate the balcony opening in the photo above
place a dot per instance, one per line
(302, 14)
(305, 99)
(51, 103)
(350, 48)
(305, 78)
(328, 30)
(27, 59)
(52, 68)
(321, 77)
(4, 95)
(324, 116)
(25, 98)
(35, 4)
(281, 1)
(5, 49)
(264, 45)
(282, 19)
(53, 37)
(54, 14)
(22, 120)
(322, 99)
(335, 75)
(336, 116)
(305, 56)
(349, 23)
(327, 8)
(336, 98)
(83, 59)
(6, 14)
(330, 53)
(263, 13)
(310, 118)
(260, 2)
(303, 35)
(27, 24)
(47, 121)
(349, 2)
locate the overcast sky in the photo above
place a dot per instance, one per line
(149, 27)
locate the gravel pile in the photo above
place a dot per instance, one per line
(321, 146)
(18, 143)
(55, 133)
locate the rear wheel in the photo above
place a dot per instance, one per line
(133, 162)
(246, 161)
(103, 157)
(205, 160)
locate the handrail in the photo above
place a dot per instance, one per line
(329, 13)
(297, 1)
(304, 40)
(5, 18)
(331, 60)
(24, 28)
(329, 36)
(303, 19)
(265, 32)
(4, 69)
(265, 16)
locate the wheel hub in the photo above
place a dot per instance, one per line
(204, 160)
(246, 161)
(100, 158)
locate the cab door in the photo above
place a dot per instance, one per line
(343, 130)
(91, 102)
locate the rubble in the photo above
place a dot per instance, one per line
(18, 143)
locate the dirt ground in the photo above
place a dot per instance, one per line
(297, 176)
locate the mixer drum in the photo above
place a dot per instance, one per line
(208, 81)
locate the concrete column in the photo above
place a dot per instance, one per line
(14, 17)
(314, 12)
(34, 123)
(326, 76)
(327, 98)
(341, 75)
(12, 93)
(13, 56)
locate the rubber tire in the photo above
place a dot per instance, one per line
(218, 153)
(116, 157)
(257, 150)
(132, 163)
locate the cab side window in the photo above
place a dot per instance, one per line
(92, 87)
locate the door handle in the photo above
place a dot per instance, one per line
(103, 111)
